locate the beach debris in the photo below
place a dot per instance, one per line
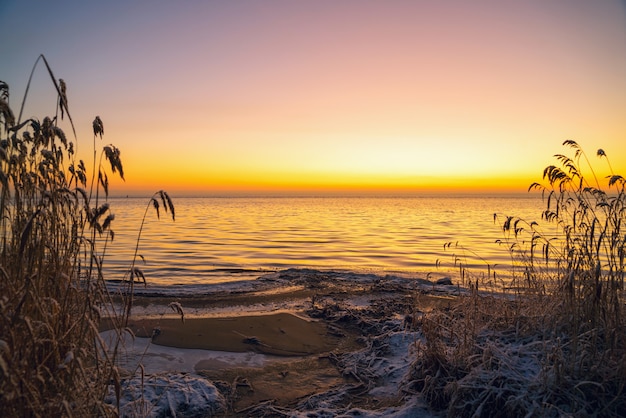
(156, 331)
(252, 340)
(242, 382)
(445, 281)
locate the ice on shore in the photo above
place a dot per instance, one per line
(383, 364)
(162, 379)
(173, 394)
(170, 387)
(162, 359)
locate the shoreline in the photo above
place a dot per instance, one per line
(274, 314)
(421, 348)
(280, 312)
(288, 337)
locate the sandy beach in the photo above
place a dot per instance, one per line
(280, 334)
(295, 337)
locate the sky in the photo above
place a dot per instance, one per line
(338, 97)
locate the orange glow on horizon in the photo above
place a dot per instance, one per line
(295, 183)
(394, 97)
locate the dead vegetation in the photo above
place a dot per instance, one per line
(553, 345)
(56, 225)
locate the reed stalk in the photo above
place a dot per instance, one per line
(56, 224)
(553, 341)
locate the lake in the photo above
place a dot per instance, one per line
(221, 239)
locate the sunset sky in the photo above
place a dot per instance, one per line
(342, 96)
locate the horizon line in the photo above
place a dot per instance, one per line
(327, 194)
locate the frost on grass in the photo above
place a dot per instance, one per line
(505, 377)
(178, 395)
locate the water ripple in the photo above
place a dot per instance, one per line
(384, 234)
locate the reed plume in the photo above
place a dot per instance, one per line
(551, 342)
(52, 289)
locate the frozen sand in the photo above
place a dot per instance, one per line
(281, 334)
(276, 361)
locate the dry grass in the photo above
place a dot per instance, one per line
(55, 226)
(556, 344)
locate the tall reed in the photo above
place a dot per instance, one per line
(581, 249)
(552, 342)
(56, 224)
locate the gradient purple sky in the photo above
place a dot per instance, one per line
(328, 96)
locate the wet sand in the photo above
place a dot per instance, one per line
(304, 322)
(282, 334)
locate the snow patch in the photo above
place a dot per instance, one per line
(159, 359)
(165, 395)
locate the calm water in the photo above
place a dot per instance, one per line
(212, 237)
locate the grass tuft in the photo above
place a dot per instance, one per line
(552, 342)
(52, 289)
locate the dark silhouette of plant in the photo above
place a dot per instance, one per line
(56, 225)
(583, 251)
(557, 344)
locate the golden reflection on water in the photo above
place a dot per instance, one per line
(216, 239)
